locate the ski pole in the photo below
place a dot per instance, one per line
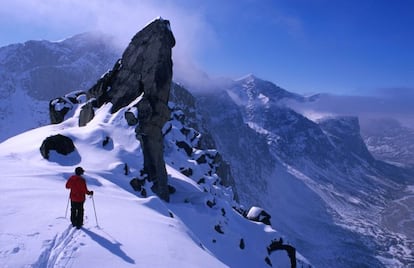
(94, 209)
(67, 206)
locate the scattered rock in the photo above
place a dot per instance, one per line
(185, 146)
(259, 215)
(241, 244)
(211, 203)
(137, 184)
(106, 141)
(186, 171)
(267, 260)
(218, 229)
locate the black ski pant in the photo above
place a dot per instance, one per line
(76, 215)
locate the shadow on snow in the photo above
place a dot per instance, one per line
(113, 247)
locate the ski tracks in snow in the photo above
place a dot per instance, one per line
(61, 250)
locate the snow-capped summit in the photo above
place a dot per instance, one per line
(250, 88)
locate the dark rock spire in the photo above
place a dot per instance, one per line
(144, 69)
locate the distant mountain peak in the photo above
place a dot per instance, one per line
(256, 87)
(248, 77)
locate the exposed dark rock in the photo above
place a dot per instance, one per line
(87, 113)
(100, 91)
(171, 189)
(268, 261)
(59, 107)
(186, 171)
(183, 145)
(210, 203)
(278, 245)
(145, 70)
(241, 244)
(155, 43)
(59, 143)
(106, 141)
(143, 192)
(138, 185)
(57, 115)
(218, 229)
(130, 117)
(202, 159)
(126, 169)
(259, 215)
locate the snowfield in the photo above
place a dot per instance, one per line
(128, 230)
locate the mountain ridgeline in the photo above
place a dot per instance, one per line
(317, 179)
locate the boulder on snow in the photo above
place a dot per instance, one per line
(259, 214)
(60, 143)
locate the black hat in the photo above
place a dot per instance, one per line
(79, 171)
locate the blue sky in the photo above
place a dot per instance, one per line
(346, 47)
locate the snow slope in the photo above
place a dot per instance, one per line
(128, 230)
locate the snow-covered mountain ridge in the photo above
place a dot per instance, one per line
(198, 228)
(305, 173)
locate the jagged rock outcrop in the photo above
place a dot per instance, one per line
(195, 140)
(145, 70)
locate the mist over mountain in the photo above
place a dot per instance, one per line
(34, 72)
(316, 169)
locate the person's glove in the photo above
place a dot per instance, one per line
(90, 193)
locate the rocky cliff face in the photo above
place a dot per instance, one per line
(317, 177)
(389, 141)
(145, 70)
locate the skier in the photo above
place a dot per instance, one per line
(77, 185)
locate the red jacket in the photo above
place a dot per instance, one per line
(78, 189)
